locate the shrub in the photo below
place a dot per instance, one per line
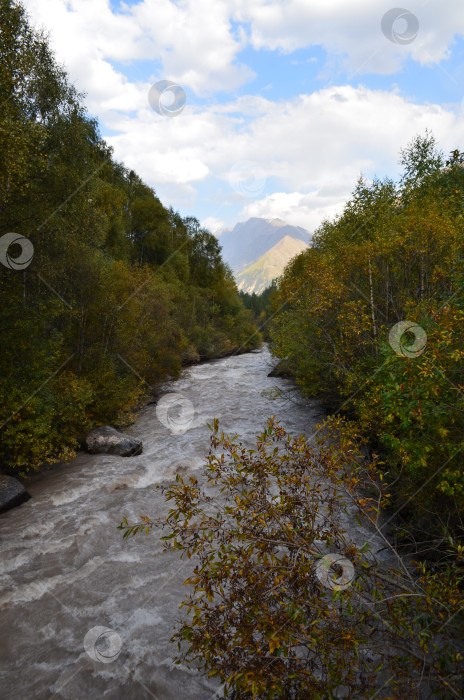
(285, 603)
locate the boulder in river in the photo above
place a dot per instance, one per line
(109, 441)
(282, 369)
(12, 493)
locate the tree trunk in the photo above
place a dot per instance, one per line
(371, 290)
(386, 292)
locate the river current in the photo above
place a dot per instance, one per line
(65, 570)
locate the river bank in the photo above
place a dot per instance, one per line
(13, 488)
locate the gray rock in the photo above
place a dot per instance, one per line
(109, 441)
(282, 370)
(12, 493)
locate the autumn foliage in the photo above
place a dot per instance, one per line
(270, 611)
(395, 254)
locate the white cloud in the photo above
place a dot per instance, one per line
(311, 150)
(352, 29)
(193, 41)
(85, 36)
(308, 150)
(212, 224)
(295, 208)
(197, 44)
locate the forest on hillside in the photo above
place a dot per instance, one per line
(105, 291)
(371, 318)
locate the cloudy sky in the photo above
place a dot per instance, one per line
(281, 104)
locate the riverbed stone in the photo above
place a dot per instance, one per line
(282, 370)
(12, 493)
(109, 441)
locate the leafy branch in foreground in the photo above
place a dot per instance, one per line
(271, 613)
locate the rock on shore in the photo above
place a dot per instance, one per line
(12, 493)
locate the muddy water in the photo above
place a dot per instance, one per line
(65, 569)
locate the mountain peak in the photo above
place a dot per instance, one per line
(276, 222)
(249, 241)
(270, 265)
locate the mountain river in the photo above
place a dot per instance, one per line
(65, 570)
